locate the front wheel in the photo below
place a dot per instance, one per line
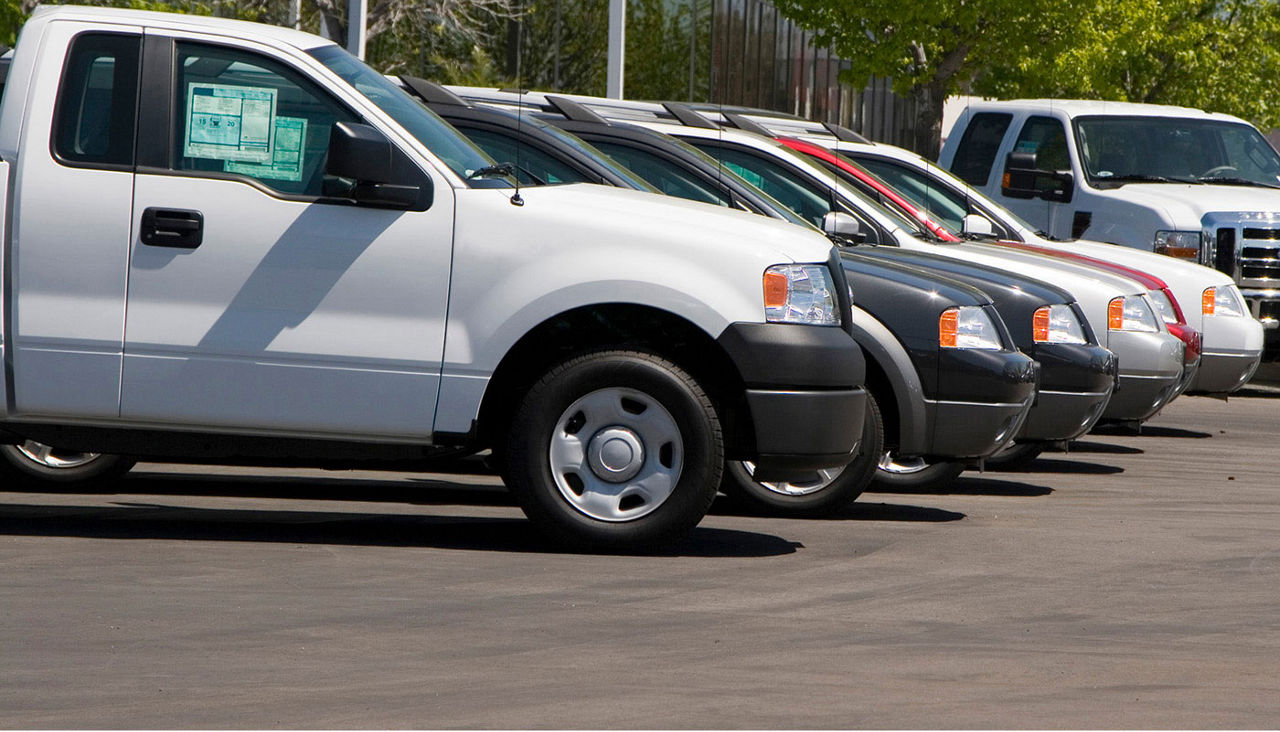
(615, 450)
(914, 474)
(826, 490)
(35, 463)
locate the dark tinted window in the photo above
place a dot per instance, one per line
(663, 174)
(1047, 138)
(98, 100)
(793, 192)
(532, 165)
(977, 150)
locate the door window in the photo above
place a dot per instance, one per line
(241, 114)
(978, 147)
(663, 175)
(98, 101)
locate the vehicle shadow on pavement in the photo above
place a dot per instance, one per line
(1103, 447)
(1148, 430)
(152, 521)
(1074, 467)
(974, 486)
(860, 510)
(416, 491)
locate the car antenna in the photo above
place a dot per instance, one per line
(516, 198)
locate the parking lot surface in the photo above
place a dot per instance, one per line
(1134, 582)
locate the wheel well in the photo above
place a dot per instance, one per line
(603, 327)
(877, 382)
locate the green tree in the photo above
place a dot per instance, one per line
(1220, 55)
(933, 48)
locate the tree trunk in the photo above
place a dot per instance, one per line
(929, 99)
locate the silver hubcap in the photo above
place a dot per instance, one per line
(616, 454)
(52, 457)
(821, 479)
(891, 463)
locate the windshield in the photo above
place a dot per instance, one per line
(1161, 149)
(462, 157)
(591, 151)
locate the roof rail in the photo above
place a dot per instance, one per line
(573, 110)
(432, 93)
(747, 125)
(688, 116)
(844, 134)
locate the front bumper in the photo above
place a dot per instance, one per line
(1076, 381)
(1223, 373)
(1151, 372)
(804, 396)
(973, 417)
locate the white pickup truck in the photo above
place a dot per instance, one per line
(225, 240)
(1194, 185)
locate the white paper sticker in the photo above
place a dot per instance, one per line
(286, 160)
(226, 122)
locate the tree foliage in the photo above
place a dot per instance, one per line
(1217, 54)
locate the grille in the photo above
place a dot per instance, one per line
(1259, 255)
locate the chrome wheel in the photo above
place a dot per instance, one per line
(52, 457)
(895, 465)
(820, 480)
(616, 454)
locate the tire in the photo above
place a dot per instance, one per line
(1017, 456)
(638, 420)
(828, 490)
(35, 464)
(905, 475)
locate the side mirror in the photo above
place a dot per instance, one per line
(382, 177)
(844, 225)
(978, 225)
(1023, 178)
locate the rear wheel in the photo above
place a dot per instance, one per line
(35, 463)
(914, 474)
(615, 450)
(826, 490)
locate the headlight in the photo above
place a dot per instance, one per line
(1056, 324)
(1164, 306)
(1131, 313)
(1180, 244)
(967, 327)
(1224, 300)
(800, 293)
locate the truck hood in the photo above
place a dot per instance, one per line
(617, 212)
(1184, 205)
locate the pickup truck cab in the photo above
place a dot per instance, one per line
(1195, 185)
(275, 254)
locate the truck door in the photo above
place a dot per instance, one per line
(1047, 137)
(260, 295)
(71, 194)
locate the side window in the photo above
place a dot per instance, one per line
(1047, 138)
(942, 204)
(773, 179)
(535, 166)
(978, 147)
(240, 113)
(97, 105)
(661, 174)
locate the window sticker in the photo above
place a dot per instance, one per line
(226, 122)
(286, 159)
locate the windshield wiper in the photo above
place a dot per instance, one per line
(488, 170)
(1234, 181)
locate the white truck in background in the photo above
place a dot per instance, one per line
(231, 241)
(1191, 184)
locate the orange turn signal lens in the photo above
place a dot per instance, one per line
(1115, 314)
(948, 327)
(1208, 299)
(1040, 325)
(776, 286)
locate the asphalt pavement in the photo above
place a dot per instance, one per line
(1133, 582)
